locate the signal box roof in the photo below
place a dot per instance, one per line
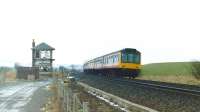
(43, 46)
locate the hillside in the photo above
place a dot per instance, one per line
(176, 72)
(171, 68)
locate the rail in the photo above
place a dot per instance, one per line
(163, 87)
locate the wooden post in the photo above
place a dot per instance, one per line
(85, 107)
(67, 101)
(74, 102)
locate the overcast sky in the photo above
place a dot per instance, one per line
(163, 30)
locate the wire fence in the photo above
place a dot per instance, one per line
(69, 99)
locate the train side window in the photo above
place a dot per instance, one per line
(124, 58)
(116, 59)
(111, 59)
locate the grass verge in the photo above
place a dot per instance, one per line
(174, 72)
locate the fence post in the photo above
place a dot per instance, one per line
(74, 102)
(67, 96)
(64, 98)
(85, 107)
(67, 101)
(71, 102)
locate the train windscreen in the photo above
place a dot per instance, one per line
(128, 57)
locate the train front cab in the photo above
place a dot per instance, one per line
(129, 63)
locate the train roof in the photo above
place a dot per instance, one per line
(125, 49)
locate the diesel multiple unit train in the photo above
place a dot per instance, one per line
(125, 62)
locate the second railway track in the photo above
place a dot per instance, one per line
(164, 86)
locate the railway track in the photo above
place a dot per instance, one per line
(122, 104)
(164, 97)
(165, 86)
(180, 88)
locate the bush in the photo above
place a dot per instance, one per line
(196, 69)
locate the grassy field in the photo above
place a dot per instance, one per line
(176, 72)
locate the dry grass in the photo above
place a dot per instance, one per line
(58, 75)
(53, 103)
(10, 76)
(174, 72)
(51, 106)
(183, 79)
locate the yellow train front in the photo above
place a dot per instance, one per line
(125, 62)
